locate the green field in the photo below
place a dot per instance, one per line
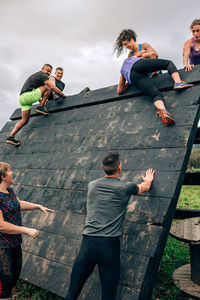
(176, 253)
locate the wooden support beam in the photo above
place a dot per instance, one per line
(192, 178)
(197, 137)
(186, 213)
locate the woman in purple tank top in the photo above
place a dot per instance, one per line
(135, 69)
(191, 49)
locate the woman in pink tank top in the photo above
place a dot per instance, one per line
(191, 49)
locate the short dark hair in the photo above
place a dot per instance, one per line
(125, 35)
(59, 68)
(48, 65)
(194, 23)
(111, 162)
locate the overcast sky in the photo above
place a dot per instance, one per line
(79, 36)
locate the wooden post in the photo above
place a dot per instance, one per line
(195, 262)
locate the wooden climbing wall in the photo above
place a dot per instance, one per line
(61, 153)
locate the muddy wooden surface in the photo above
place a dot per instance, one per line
(62, 152)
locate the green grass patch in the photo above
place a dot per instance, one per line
(176, 253)
(27, 291)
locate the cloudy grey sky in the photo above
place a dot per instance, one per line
(79, 36)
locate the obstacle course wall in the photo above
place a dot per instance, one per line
(61, 153)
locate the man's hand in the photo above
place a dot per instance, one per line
(147, 180)
(149, 176)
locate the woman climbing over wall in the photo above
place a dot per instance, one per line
(11, 230)
(191, 49)
(135, 69)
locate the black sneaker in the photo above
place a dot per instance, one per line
(42, 110)
(12, 141)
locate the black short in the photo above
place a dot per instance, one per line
(10, 268)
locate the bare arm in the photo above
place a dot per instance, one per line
(122, 85)
(147, 181)
(147, 51)
(8, 228)
(186, 53)
(54, 88)
(24, 205)
(52, 80)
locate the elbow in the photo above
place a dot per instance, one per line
(2, 227)
(119, 90)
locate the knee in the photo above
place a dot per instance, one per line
(47, 91)
(24, 122)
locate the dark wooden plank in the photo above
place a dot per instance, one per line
(61, 223)
(36, 267)
(61, 153)
(108, 94)
(197, 137)
(182, 278)
(151, 210)
(91, 160)
(172, 99)
(143, 138)
(142, 209)
(36, 270)
(186, 230)
(164, 182)
(192, 178)
(137, 238)
(63, 250)
(181, 213)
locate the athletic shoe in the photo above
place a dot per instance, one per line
(153, 74)
(12, 141)
(165, 116)
(182, 85)
(42, 110)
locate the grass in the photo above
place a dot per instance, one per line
(27, 291)
(176, 253)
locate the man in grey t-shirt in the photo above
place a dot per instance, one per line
(107, 202)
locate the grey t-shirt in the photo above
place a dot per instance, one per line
(34, 81)
(107, 202)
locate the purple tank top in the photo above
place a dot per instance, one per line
(127, 66)
(194, 56)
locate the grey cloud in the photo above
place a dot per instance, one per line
(79, 36)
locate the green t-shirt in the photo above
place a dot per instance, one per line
(107, 201)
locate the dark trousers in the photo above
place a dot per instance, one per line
(144, 66)
(101, 251)
(10, 268)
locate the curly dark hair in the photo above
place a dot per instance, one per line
(195, 22)
(125, 35)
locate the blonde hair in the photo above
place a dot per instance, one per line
(4, 167)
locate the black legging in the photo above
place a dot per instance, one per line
(146, 65)
(103, 251)
(10, 268)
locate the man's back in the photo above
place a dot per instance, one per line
(33, 82)
(107, 201)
